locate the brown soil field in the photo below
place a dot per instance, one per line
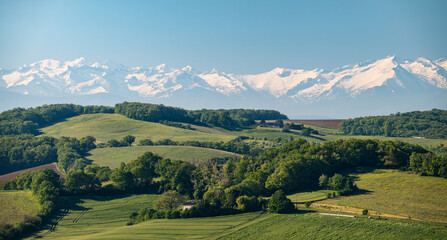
(9, 176)
(329, 123)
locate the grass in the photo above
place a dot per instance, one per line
(399, 193)
(314, 226)
(107, 126)
(106, 218)
(193, 228)
(15, 205)
(271, 134)
(81, 217)
(309, 196)
(112, 157)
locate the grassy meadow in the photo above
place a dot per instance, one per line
(302, 197)
(192, 228)
(106, 218)
(399, 193)
(112, 157)
(107, 126)
(83, 217)
(315, 226)
(15, 205)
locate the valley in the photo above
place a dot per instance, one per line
(400, 203)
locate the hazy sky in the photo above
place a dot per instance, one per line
(231, 36)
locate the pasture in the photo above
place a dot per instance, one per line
(106, 218)
(112, 157)
(302, 197)
(15, 205)
(399, 193)
(315, 226)
(82, 217)
(114, 126)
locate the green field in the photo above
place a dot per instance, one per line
(15, 205)
(112, 157)
(106, 218)
(107, 126)
(309, 196)
(83, 217)
(314, 226)
(400, 193)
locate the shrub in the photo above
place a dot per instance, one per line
(279, 203)
(248, 204)
(307, 204)
(145, 142)
(365, 212)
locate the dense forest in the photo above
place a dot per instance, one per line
(429, 124)
(24, 151)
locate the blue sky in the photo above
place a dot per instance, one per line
(231, 36)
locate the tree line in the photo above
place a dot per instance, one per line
(429, 124)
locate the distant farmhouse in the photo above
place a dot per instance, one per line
(189, 205)
(270, 124)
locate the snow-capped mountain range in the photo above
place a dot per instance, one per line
(373, 87)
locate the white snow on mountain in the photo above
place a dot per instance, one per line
(427, 70)
(354, 80)
(223, 83)
(78, 77)
(280, 80)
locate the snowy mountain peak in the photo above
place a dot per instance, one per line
(47, 63)
(161, 67)
(188, 69)
(76, 63)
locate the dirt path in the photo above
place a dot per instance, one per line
(338, 208)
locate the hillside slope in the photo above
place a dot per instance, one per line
(114, 126)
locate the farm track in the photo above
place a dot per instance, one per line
(52, 166)
(358, 211)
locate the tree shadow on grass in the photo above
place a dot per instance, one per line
(360, 192)
(65, 206)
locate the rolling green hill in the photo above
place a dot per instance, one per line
(107, 126)
(80, 217)
(112, 157)
(106, 218)
(314, 226)
(400, 193)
